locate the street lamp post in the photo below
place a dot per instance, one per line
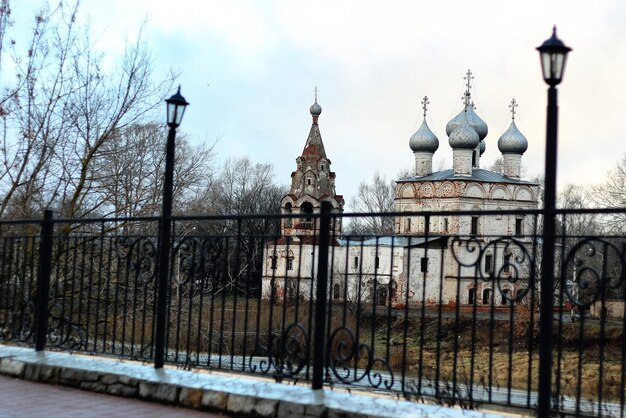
(175, 110)
(553, 55)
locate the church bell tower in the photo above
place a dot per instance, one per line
(311, 184)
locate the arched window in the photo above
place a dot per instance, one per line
(506, 263)
(287, 211)
(381, 295)
(489, 263)
(290, 260)
(471, 296)
(307, 209)
(336, 291)
(486, 296)
(505, 296)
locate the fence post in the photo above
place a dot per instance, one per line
(43, 281)
(321, 295)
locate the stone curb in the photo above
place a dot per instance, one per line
(232, 395)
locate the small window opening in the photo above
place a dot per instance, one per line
(474, 228)
(376, 262)
(336, 291)
(471, 297)
(424, 264)
(356, 263)
(518, 227)
(505, 296)
(445, 224)
(488, 263)
(486, 296)
(507, 263)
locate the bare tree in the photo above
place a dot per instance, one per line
(576, 197)
(129, 171)
(241, 187)
(611, 193)
(62, 109)
(497, 166)
(5, 23)
(373, 197)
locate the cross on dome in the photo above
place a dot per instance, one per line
(512, 106)
(468, 78)
(425, 104)
(315, 91)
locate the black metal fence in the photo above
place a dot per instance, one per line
(448, 313)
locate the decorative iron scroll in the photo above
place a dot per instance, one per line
(21, 324)
(286, 354)
(212, 262)
(593, 270)
(351, 362)
(199, 261)
(62, 331)
(140, 256)
(512, 265)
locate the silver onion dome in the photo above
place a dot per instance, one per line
(482, 147)
(463, 136)
(424, 139)
(512, 141)
(474, 120)
(315, 109)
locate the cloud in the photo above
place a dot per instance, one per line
(249, 68)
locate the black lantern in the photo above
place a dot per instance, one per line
(175, 109)
(553, 57)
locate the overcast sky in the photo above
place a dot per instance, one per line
(249, 68)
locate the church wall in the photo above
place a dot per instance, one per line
(465, 196)
(295, 274)
(353, 269)
(423, 268)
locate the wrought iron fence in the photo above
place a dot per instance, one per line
(447, 309)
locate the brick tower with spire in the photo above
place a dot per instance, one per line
(311, 184)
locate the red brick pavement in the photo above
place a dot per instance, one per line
(22, 398)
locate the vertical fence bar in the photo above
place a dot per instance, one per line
(43, 281)
(319, 345)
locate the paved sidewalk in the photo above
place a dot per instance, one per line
(22, 398)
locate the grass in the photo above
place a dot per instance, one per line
(483, 352)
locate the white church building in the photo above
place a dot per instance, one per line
(436, 255)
